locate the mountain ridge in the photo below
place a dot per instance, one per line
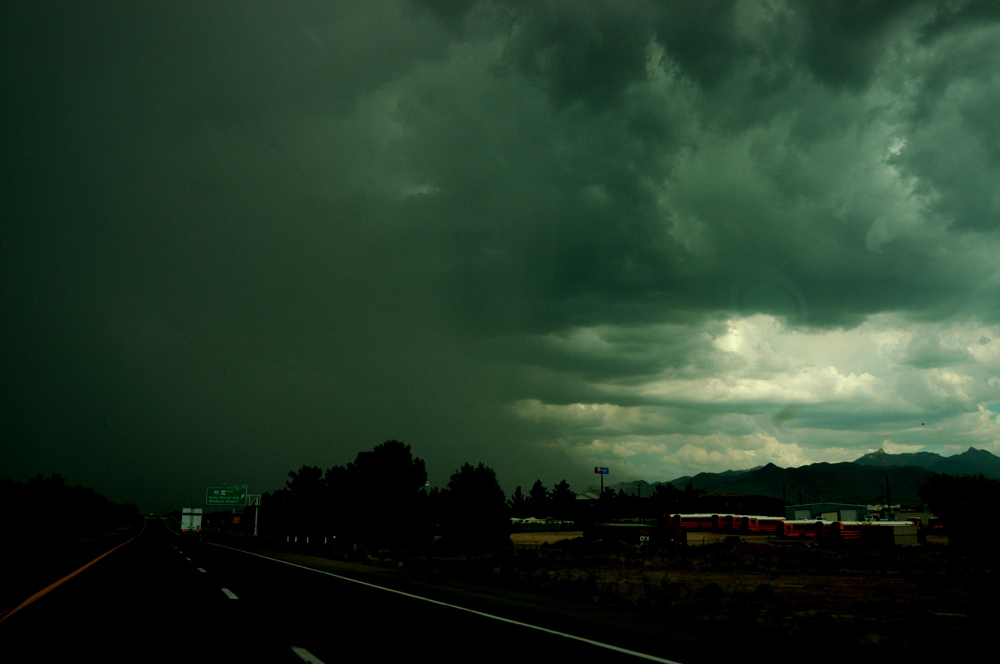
(865, 480)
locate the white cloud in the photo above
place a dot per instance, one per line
(794, 397)
(897, 448)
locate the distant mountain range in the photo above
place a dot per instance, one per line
(862, 481)
(969, 462)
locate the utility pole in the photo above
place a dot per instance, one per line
(888, 501)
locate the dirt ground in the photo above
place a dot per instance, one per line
(914, 602)
(918, 598)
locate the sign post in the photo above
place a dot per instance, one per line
(254, 501)
(602, 471)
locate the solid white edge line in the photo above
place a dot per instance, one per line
(306, 656)
(229, 593)
(599, 644)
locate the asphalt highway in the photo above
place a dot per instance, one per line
(162, 597)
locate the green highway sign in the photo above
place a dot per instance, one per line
(227, 496)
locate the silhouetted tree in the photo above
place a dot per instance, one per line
(666, 499)
(304, 504)
(563, 501)
(690, 500)
(627, 505)
(276, 513)
(379, 499)
(959, 501)
(518, 504)
(538, 499)
(606, 504)
(475, 513)
(308, 481)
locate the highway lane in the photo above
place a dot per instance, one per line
(333, 617)
(183, 599)
(143, 602)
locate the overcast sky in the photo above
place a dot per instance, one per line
(661, 237)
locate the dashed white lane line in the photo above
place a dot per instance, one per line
(509, 621)
(306, 656)
(202, 570)
(229, 593)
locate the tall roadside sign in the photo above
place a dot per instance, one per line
(602, 471)
(226, 496)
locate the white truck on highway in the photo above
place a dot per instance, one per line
(190, 521)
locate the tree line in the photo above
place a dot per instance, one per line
(48, 510)
(381, 500)
(964, 505)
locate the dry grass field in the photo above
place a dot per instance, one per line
(915, 599)
(916, 602)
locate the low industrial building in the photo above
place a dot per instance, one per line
(826, 512)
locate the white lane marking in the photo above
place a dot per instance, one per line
(306, 656)
(202, 570)
(574, 637)
(229, 593)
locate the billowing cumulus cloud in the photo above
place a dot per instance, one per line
(663, 237)
(763, 392)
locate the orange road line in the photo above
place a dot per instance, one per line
(47, 589)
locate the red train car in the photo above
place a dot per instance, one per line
(760, 524)
(730, 522)
(694, 521)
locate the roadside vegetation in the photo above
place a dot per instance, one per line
(911, 600)
(52, 528)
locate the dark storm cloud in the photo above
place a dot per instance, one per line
(846, 42)
(590, 55)
(529, 234)
(954, 149)
(950, 17)
(624, 251)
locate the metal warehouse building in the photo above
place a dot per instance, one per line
(826, 512)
